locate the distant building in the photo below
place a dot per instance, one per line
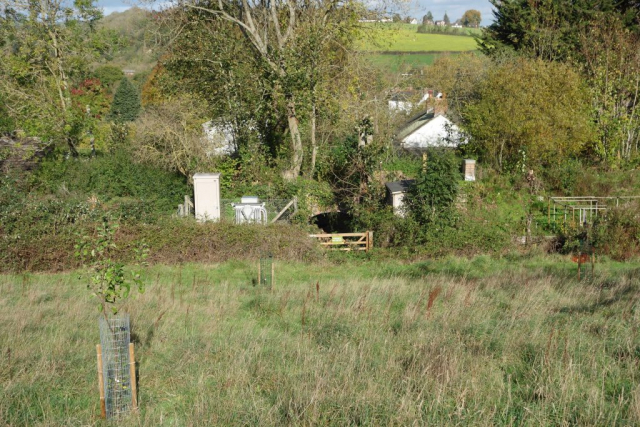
(440, 24)
(129, 73)
(428, 130)
(404, 101)
(413, 21)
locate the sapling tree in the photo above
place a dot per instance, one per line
(108, 281)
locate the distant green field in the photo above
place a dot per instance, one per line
(397, 62)
(405, 38)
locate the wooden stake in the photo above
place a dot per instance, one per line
(132, 372)
(103, 407)
(579, 264)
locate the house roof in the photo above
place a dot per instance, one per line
(427, 130)
(400, 186)
(414, 122)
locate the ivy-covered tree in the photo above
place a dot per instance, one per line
(126, 103)
(427, 19)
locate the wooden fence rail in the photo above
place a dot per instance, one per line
(346, 241)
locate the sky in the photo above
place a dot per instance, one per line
(415, 8)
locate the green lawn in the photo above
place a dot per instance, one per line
(405, 38)
(509, 341)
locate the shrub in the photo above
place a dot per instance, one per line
(435, 189)
(113, 176)
(126, 103)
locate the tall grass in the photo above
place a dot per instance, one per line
(352, 344)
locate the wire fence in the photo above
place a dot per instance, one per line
(278, 210)
(265, 272)
(114, 340)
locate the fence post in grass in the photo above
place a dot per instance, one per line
(273, 275)
(260, 271)
(103, 407)
(132, 372)
(579, 264)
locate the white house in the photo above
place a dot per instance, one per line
(413, 21)
(428, 130)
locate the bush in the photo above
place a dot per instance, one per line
(113, 176)
(435, 190)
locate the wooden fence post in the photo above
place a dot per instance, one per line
(132, 372)
(103, 407)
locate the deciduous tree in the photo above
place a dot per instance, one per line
(471, 18)
(529, 113)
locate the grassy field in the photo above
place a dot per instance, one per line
(514, 341)
(395, 63)
(405, 38)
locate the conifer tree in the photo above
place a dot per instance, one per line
(126, 103)
(446, 19)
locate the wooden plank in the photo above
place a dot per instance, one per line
(103, 407)
(132, 372)
(282, 211)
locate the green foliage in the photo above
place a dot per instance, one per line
(562, 176)
(529, 113)
(550, 30)
(113, 176)
(435, 190)
(471, 18)
(107, 278)
(126, 103)
(51, 46)
(618, 234)
(108, 75)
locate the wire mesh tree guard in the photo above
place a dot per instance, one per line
(266, 271)
(116, 367)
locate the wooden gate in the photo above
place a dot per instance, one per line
(346, 241)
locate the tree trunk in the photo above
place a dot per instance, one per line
(296, 143)
(314, 146)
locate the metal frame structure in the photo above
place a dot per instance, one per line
(587, 207)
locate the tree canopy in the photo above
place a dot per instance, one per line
(529, 113)
(471, 18)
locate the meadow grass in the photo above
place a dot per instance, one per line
(405, 38)
(396, 62)
(510, 341)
